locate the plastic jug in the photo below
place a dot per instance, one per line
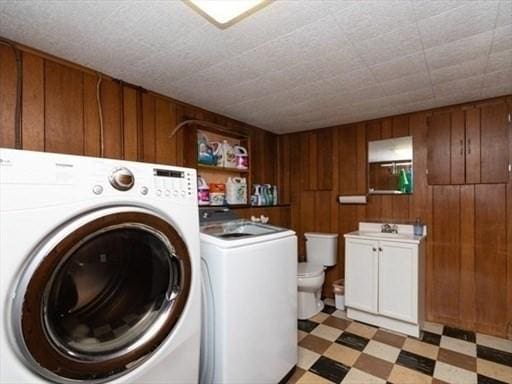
(241, 157)
(203, 191)
(218, 152)
(205, 153)
(236, 190)
(228, 154)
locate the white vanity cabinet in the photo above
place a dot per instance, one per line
(384, 281)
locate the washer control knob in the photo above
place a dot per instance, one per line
(144, 191)
(167, 192)
(175, 193)
(97, 189)
(158, 192)
(121, 178)
(183, 193)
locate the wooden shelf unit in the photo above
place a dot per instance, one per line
(215, 132)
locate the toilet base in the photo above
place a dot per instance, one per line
(309, 304)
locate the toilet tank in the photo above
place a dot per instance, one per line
(322, 248)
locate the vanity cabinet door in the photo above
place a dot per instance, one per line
(361, 274)
(398, 280)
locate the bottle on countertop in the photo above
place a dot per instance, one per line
(418, 227)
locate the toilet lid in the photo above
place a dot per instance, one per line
(309, 269)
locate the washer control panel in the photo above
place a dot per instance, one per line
(173, 184)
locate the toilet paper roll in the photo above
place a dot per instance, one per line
(353, 199)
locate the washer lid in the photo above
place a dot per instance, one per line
(309, 270)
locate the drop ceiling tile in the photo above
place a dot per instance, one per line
(460, 70)
(500, 61)
(502, 39)
(495, 79)
(349, 82)
(473, 18)
(502, 89)
(406, 83)
(459, 51)
(399, 42)
(504, 13)
(428, 8)
(403, 66)
(460, 86)
(367, 19)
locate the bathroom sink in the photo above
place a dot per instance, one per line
(386, 235)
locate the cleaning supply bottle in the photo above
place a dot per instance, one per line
(236, 190)
(241, 157)
(402, 181)
(203, 191)
(229, 155)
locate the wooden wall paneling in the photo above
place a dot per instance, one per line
(375, 202)
(165, 121)
(312, 161)
(7, 96)
(307, 217)
(269, 155)
(325, 162)
(446, 236)
(112, 119)
(400, 126)
(64, 129)
(347, 147)
(361, 161)
(494, 142)
(283, 162)
(473, 157)
(257, 163)
(439, 146)
(457, 155)
(509, 230)
(148, 128)
(91, 117)
(130, 123)
(33, 102)
(295, 186)
(491, 258)
(467, 257)
(421, 199)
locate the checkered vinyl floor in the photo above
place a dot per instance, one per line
(334, 349)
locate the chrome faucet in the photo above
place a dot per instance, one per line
(388, 228)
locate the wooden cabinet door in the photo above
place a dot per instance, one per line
(457, 157)
(494, 142)
(361, 274)
(398, 280)
(439, 149)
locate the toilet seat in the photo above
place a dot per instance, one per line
(309, 270)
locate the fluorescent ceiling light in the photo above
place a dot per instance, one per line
(224, 13)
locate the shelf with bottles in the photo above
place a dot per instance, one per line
(215, 168)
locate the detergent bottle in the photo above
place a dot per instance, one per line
(203, 191)
(241, 157)
(236, 190)
(218, 152)
(228, 154)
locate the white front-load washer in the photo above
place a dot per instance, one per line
(100, 275)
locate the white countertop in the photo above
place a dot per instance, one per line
(372, 231)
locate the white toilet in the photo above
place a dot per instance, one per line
(321, 252)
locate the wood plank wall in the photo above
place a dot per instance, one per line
(469, 247)
(60, 114)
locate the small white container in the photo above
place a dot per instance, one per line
(339, 293)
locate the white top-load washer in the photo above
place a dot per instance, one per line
(100, 270)
(249, 301)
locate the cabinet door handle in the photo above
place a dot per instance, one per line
(469, 146)
(380, 249)
(374, 249)
(461, 147)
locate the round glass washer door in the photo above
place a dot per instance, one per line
(105, 297)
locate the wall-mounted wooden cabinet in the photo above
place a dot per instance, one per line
(469, 146)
